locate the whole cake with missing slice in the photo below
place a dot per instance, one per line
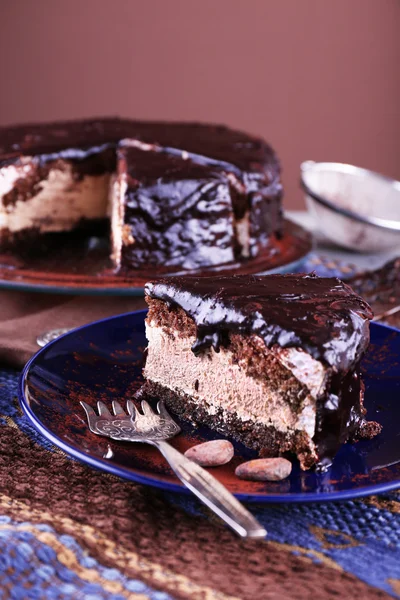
(183, 195)
(272, 361)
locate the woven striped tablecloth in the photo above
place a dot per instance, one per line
(68, 531)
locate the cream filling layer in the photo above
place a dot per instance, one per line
(60, 202)
(118, 190)
(216, 382)
(243, 234)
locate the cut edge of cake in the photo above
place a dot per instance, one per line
(47, 199)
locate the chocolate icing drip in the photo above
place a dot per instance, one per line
(340, 414)
(321, 315)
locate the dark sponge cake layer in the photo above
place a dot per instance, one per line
(34, 242)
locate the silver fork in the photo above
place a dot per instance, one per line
(155, 428)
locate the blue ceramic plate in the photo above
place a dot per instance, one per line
(103, 361)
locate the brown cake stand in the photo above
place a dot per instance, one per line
(75, 264)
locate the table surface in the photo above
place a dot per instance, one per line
(67, 531)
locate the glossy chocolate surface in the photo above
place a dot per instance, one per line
(180, 212)
(321, 315)
(78, 140)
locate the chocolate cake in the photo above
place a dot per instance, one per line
(186, 194)
(272, 361)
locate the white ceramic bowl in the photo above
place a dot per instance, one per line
(356, 208)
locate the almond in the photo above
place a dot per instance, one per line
(264, 469)
(211, 454)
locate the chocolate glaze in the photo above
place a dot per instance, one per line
(179, 212)
(248, 156)
(323, 316)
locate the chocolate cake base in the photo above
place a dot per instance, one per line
(266, 440)
(33, 242)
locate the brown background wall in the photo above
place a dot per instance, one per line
(319, 79)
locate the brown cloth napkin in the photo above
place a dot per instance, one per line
(26, 315)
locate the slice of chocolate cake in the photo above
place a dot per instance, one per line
(272, 361)
(170, 211)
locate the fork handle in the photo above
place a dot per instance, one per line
(211, 492)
